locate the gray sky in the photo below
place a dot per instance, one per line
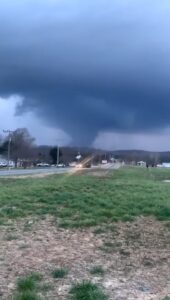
(87, 72)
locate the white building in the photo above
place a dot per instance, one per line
(141, 163)
(164, 165)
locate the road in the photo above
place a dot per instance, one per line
(36, 171)
(111, 166)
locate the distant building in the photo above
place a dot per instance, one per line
(164, 165)
(141, 163)
(104, 162)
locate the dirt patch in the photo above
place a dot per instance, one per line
(135, 257)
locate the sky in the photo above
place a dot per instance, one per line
(89, 73)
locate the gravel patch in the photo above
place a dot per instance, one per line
(135, 257)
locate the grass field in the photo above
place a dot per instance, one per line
(92, 235)
(88, 200)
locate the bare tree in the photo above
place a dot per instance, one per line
(22, 145)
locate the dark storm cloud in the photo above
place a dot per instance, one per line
(88, 66)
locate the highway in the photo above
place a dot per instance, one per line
(52, 170)
(24, 172)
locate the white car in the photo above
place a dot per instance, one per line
(3, 164)
(61, 165)
(72, 164)
(43, 165)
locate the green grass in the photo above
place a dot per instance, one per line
(27, 295)
(27, 287)
(87, 291)
(59, 273)
(26, 284)
(36, 276)
(81, 200)
(97, 271)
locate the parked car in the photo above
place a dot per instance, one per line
(3, 164)
(72, 164)
(61, 165)
(42, 165)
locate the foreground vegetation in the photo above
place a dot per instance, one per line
(87, 291)
(85, 199)
(49, 264)
(27, 287)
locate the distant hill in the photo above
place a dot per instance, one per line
(137, 155)
(41, 153)
(69, 153)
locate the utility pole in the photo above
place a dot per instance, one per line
(10, 132)
(58, 155)
(58, 151)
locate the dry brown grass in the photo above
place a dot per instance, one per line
(135, 265)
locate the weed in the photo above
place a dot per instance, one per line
(87, 291)
(11, 237)
(28, 283)
(27, 287)
(36, 276)
(97, 270)
(27, 295)
(59, 273)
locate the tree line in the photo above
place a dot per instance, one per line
(23, 149)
